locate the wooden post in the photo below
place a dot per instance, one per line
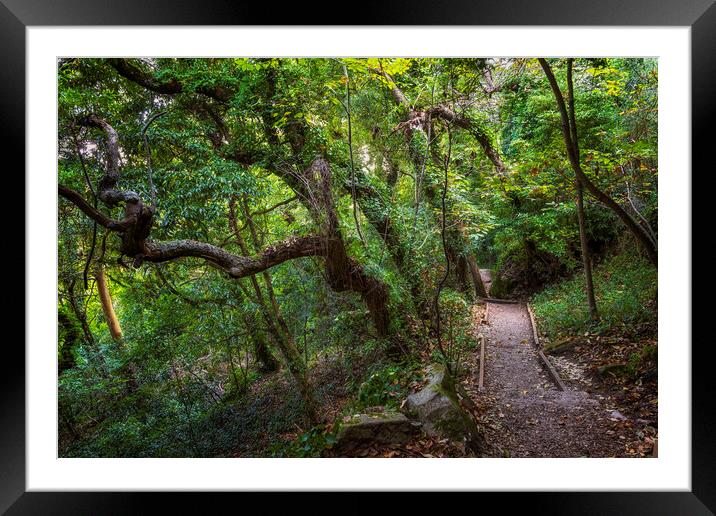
(544, 358)
(552, 372)
(482, 362)
(498, 300)
(535, 335)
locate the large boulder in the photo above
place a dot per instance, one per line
(437, 406)
(374, 427)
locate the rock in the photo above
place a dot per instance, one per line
(611, 368)
(615, 414)
(378, 427)
(438, 408)
(561, 345)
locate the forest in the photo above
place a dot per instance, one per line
(357, 257)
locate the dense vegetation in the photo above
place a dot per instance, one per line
(251, 248)
(625, 292)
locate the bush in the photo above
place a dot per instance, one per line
(383, 387)
(312, 443)
(456, 327)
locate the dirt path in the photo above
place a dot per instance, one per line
(531, 416)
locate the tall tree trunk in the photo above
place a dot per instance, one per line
(299, 371)
(262, 352)
(567, 127)
(239, 388)
(478, 285)
(343, 272)
(586, 255)
(268, 283)
(110, 316)
(460, 267)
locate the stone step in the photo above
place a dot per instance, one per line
(379, 427)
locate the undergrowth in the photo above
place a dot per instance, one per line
(626, 292)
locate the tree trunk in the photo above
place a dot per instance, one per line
(239, 388)
(263, 354)
(344, 273)
(300, 374)
(586, 255)
(66, 359)
(478, 285)
(459, 266)
(266, 360)
(110, 316)
(80, 314)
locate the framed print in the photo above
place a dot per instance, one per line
(415, 250)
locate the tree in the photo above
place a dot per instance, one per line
(572, 153)
(313, 186)
(134, 230)
(586, 257)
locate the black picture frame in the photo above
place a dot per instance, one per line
(17, 15)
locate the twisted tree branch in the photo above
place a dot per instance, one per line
(132, 71)
(89, 210)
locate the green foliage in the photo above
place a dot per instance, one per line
(649, 353)
(457, 340)
(626, 292)
(312, 443)
(383, 387)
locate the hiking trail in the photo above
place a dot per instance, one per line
(534, 417)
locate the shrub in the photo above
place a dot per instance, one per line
(625, 289)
